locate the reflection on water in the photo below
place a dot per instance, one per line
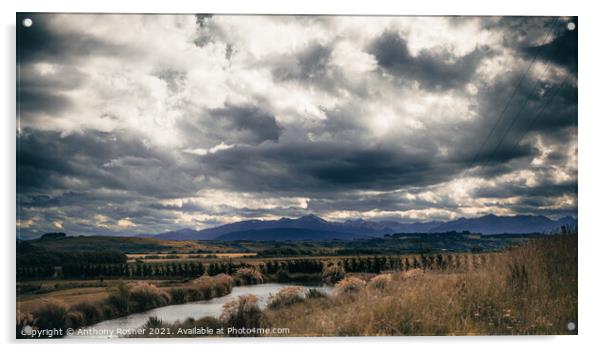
(180, 312)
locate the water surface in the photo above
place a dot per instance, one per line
(180, 312)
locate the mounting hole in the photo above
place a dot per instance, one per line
(571, 326)
(27, 22)
(571, 26)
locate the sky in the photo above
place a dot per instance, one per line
(131, 124)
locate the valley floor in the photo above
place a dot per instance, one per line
(528, 289)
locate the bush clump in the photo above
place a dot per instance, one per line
(333, 274)
(243, 313)
(178, 295)
(120, 300)
(207, 287)
(222, 284)
(51, 316)
(144, 296)
(350, 286)
(287, 296)
(91, 313)
(380, 281)
(315, 293)
(248, 276)
(74, 319)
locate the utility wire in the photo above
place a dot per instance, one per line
(539, 113)
(499, 118)
(519, 112)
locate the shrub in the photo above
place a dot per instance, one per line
(108, 311)
(178, 295)
(51, 315)
(74, 319)
(243, 313)
(90, 312)
(120, 299)
(349, 286)
(287, 296)
(203, 288)
(315, 293)
(207, 287)
(333, 274)
(222, 284)
(144, 296)
(23, 319)
(380, 281)
(248, 276)
(153, 323)
(207, 322)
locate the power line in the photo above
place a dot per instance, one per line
(539, 113)
(518, 113)
(515, 118)
(499, 118)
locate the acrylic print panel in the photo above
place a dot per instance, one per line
(203, 176)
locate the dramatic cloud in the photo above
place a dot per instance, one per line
(440, 70)
(148, 123)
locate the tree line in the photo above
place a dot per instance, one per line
(86, 266)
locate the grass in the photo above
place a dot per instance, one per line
(530, 289)
(125, 244)
(117, 300)
(527, 290)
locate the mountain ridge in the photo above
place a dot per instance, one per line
(313, 227)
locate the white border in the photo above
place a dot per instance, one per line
(590, 196)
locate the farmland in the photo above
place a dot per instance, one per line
(135, 275)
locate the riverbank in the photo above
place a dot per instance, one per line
(121, 299)
(527, 290)
(137, 324)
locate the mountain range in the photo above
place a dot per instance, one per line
(312, 227)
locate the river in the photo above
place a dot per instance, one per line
(181, 312)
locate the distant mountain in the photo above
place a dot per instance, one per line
(288, 234)
(312, 227)
(491, 224)
(308, 222)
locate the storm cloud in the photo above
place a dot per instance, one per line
(195, 121)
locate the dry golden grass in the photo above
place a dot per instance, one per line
(82, 293)
(71, 297)
(527, 290)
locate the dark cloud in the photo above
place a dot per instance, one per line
(91, 159)
(252, 124)
(47, 42)
(37, 100)
(523, 34)
(308, 168)
(432, 70)
(317, 152)
(308, 64)
(562, 49)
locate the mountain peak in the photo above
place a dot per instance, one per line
(312, 218)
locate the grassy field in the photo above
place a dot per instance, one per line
(528, 290)
(125, 244)
(72, 292)
(162, 257)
